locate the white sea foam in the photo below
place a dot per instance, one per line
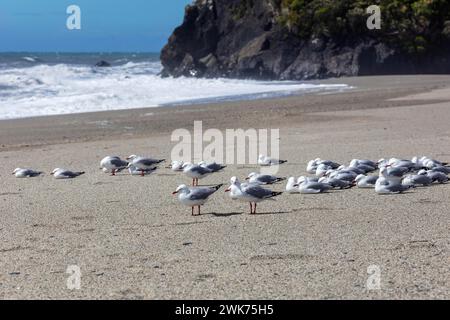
(61, 89)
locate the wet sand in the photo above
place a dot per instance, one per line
(133, 240)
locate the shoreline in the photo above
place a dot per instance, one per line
(367, 93)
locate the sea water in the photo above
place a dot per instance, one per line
(33, 84)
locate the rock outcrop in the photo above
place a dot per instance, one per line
(245, 39)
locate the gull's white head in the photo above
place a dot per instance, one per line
(422, 172)
(132, 157)
(251, 175)
(56, 170)
(354, 163)
(16, 170)
(301, 179)
(181, 189)
(322, 180)
(234, 180)
(359, 177)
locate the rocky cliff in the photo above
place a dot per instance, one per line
(259, 39)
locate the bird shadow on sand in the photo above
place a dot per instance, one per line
(270, 213)
(224, 215)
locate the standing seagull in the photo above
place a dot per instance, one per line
(26, 173)
(113, 164)
(196, 172)
(267, 161)
(195, 197)
(142, 163)
(65, 174)
(250, 192)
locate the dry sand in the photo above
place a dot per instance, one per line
(132, 240)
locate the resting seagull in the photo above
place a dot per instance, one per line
(365, 182)
(143, 164)
(309, 187)
(250, 192)
(213, 166)
(113, 164)
(267, 161)
(385, 186)
(263, 178)
(65, 174)
(195, 197)
(26, 173)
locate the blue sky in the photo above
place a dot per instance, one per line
(106, 25)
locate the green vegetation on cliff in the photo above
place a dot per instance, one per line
(415, 25)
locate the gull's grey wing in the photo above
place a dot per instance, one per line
(71, 174)
(397, 171)
(318, 186)
(257, 191)
(201, 170)
(267, 179)
(397, 188)
(371, 179)
(201, 193)
(214, 167)
(118, 163)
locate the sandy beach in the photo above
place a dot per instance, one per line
(133, 240)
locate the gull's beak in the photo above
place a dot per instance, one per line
(174, 193)
(13, 173)
(247, 178)
(228, 190)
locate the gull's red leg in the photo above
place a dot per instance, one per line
(113, 172)
(192, 210)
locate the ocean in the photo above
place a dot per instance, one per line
(38, 84)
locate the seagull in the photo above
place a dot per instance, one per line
(384, 186)
(314, 164)
(137, 172)
(363, 181)
(393, 174)
(142, 163)
(113, 164)
(195, 197)
(26, 173)
(445, 170)
(263, 178)
(355, 163)
(322, 169)
(267, 161)
(250, 192)
(196, 172)
(435, 176)
(345, 175)
(176, 166)
(336, 183)
(292, 185)
(213, 166)
(417, 179)
(65, 174)
(308, 187)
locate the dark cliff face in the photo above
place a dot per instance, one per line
(244, 39)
